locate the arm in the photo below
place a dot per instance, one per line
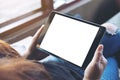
(96, 67)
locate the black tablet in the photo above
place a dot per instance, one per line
(71, 39)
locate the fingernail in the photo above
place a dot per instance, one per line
(101, 48)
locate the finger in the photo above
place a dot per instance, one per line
(35, 38)
(98, 53)
(39, 31)
(103, 61)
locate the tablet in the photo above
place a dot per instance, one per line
(71, 39)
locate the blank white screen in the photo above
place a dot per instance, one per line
(69, 39)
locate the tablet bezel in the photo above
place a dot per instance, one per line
(94, 45)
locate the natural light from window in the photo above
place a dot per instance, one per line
(10, 9)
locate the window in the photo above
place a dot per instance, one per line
(12, 9)
(12, 12)
(17, 17)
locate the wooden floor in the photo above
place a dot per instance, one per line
(10, 9)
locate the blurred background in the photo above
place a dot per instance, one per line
(20, 19)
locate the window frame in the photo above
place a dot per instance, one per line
(21, 31)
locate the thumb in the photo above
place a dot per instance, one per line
(39, 31)
(98, 53)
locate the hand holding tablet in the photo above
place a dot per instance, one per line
(71, 39)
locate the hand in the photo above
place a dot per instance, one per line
(34, 42)
(96, 67)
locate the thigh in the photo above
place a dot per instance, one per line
(111, 70)
(111, 44)
(64, 63)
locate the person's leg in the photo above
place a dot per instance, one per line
(111, 70)
(51, 58)
(72, 67)
(111, 42)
